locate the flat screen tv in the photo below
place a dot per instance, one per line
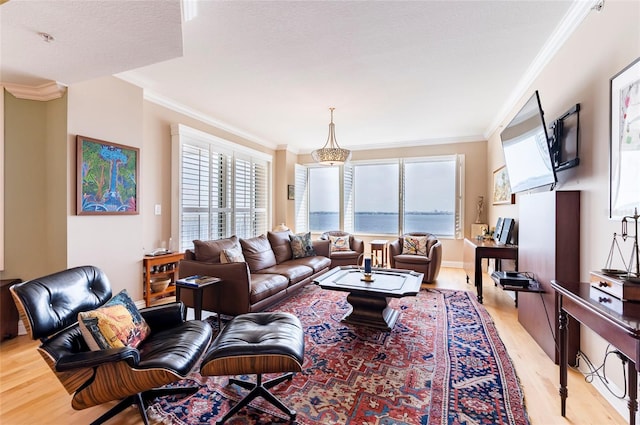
(526, 149)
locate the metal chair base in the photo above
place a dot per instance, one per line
(141, 400)
(259, 389)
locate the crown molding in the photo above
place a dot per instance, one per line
(570, 22)
(44, 92)
(158, 99)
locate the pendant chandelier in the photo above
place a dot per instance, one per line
(331, 153)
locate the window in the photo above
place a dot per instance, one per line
(388, 197)
(324, 198)
(430, 196)
(223, 188)
(376, 198)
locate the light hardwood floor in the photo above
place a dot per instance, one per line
(30, 393)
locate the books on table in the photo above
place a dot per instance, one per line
(198, 280)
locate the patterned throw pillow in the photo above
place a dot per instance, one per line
(416, 245)
(301, 245)
(232, 255)
(339, 243)
(117, 323)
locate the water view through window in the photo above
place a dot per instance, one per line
(428, 188)
(439, 223)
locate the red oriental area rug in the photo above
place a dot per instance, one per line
(443, 363)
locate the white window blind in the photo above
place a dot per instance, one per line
(222, 188)
(347, 185)
(302, 200)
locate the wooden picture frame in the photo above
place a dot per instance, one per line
(501, 188)
(107, 177)
(624, 157)
(291, 192)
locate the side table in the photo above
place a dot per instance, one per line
(196, 290)
(9, 320)
(379, 252)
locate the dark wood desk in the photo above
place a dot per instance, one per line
(475, 250)
(619, 326)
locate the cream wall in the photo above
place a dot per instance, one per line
(604, 44)
(34, 190)
(111, 110)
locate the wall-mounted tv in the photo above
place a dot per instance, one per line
(526, 149)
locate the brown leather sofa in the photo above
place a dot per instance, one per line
(428, 264)
(344, 258)
(268, 274)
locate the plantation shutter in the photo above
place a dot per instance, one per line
(260, 197)
(347, 176)
(194, 187)
(302, 199)
(223, 189)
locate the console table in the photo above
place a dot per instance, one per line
(475, 250)
(620, 328)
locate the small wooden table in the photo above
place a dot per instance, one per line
(475, 250)
(379, 252)
(370, 300)
(596, 310)
(196, 290)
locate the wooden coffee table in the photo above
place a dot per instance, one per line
(370, 300)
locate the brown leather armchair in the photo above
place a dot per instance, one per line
(344, 258)
(49, 308)
(428, 264)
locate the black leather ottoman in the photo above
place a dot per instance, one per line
(257, 343)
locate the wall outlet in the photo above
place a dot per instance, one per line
(158, 209)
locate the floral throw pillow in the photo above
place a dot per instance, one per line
(118, 323)
(301, 245)
(339, 243)
(415, 245)
(232, 255)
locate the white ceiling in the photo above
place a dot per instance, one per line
(398, 72)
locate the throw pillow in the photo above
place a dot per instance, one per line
(209, 251)
(416, 245)
(301, 245)
(232, 255)
(339, 243)
(117, 323)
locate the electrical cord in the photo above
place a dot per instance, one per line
(546, 313)
(594, 372)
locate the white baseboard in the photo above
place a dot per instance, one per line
(619, 405)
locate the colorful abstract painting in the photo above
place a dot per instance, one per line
(107, 177)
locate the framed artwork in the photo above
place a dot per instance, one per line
(624, 173)
(501, 187)
(291, 191)
(107, 177)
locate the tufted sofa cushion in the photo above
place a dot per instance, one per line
(281, 245)
(258, 253)
(209, 251)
